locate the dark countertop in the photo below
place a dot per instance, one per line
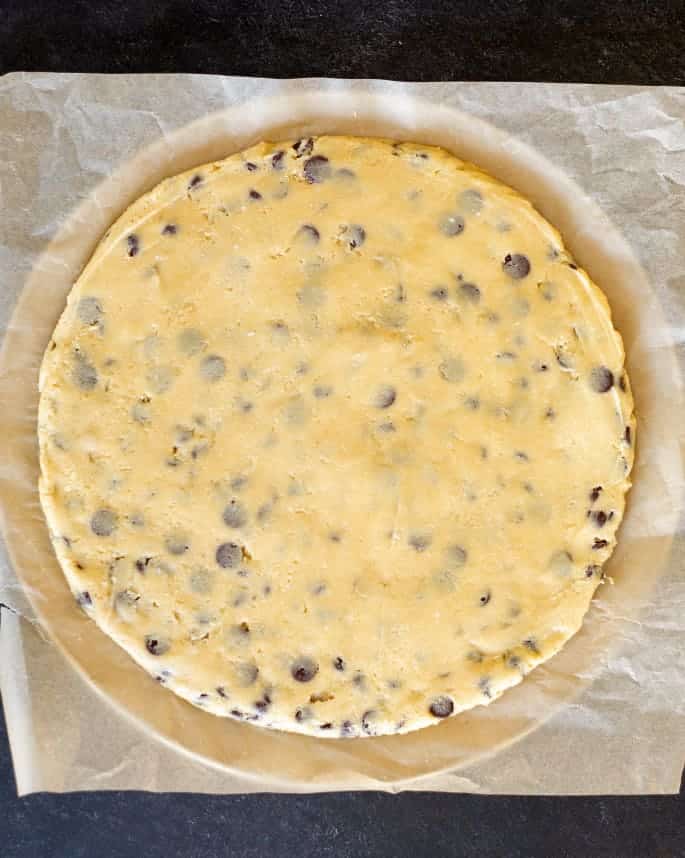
(600, 42)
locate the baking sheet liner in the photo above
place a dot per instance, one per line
(603, 716)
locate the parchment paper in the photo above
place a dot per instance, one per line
(606, 714)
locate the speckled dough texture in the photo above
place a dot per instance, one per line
(335, 437)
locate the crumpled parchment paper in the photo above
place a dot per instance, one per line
(604, 164)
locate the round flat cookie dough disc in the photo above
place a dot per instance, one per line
(335, 437)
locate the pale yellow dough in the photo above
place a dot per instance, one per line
(373, 376)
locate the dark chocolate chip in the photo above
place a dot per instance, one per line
(327, 726)
(142, 563)
(442, 707)
(470, 292)
(317, 169)
(304, 713)
(516, 266)
(601, 379)
(339, 663)
(419, 541)
(622, 383)
(520, 456)
(532, 645)
(591, 571)
(170, 229)
(104, 522)
(309, 232)
(254, 195)
(304, 669)
(213, 368)
(303, 147)
(485, 597)
(452, 225)
(440, 293)
(385, 396)
(250, 166)
(89, 310)
(277, 160)
(573, 266)
(355, 235)
(221, 691)
(132, 245)
(346, 729)
(264, 703)
(195, 181)
(234, 514)
(367, 717)
(599, 517)
(84, 599)
(84, 375)
(626, 435)
(228, 555)
(598, 544)
(156, 645)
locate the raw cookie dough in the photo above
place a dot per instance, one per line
(335, 437)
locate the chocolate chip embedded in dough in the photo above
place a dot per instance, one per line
(104, 522)
(442, 707)
(254, 195)
(452, 225)
(303, 713)
(170, 229)
(228, 555)
(213, 368)
(304, 669)
(322, 391)
(89, 310)
(278, 160)
(599, 517)
(627, 435)
(385, 396)
(234, 514)
(156, 645)
(303, 147)
(339, 663)
(440, 293)
(346, 729)
(595, 493)
(84, 374)
(516, 266)
(598, 544)
(84, 599)
(132, 245)
(309, 233)
(419, 542)
(601, 379)
(251, 167)
(485, 598)
(195, 182)
(317, 169)
(469, 292)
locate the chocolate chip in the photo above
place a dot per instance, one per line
(84, 599)
(250, 166)
(228, 555)
(339, 663)
(573, 266)
(89, 310)
(520, 456)
(303, 147)
(346, 729)
(170, 229)
(254, 195)
(591, 571)
(595, 493)
(304, 713)
(599, 517)
(308, 232)
(317, 169)
(440, 293)
(599, 544)
(277, 160)
(484, 685)
(104, 522)
(354, 235)
(84, 375)
(156, 645)
(601, 379)
(304, 669)
(622, 383)
(141, 564)
(419, 542)
(532, 645)
(322, 391)
(213, 368)
(367, 717)
(195, 182)
(234, 514)
(221, 691)
(327, 726)
(456, 555)
(385, 396)
(470, 292)
(132, 245)
(485, 598)
(176, 544)
(264, 703)
(452, 225)
(516, 266)
(442, 707)
(626, 435)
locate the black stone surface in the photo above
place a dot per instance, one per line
(600, 42)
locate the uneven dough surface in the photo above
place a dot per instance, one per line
(335, 437)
